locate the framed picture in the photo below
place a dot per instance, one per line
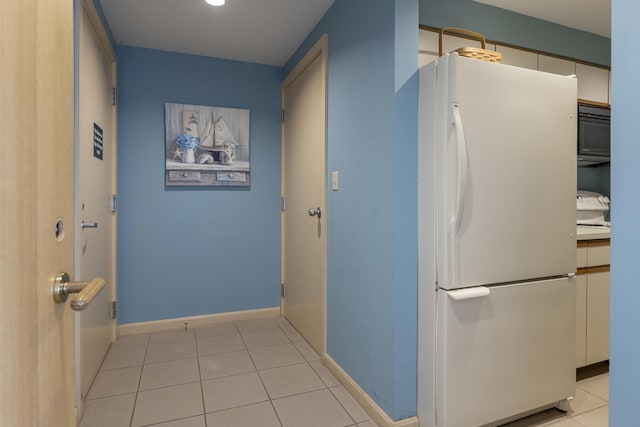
(206, 146)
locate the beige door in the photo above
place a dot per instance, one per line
(95, 183)
(36, 172)
(304, 215)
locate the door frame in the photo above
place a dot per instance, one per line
(87, 7)
(318, 50)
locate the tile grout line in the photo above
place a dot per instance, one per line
(593, 394)
(289, 341)
(260, 377)
(135, 402)
(204, 408)
(343, 407)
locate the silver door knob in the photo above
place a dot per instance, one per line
(86, 291)
(315, 212)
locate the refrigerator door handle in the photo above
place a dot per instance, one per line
(469, 293)
(461, 194)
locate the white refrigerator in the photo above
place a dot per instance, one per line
(497, 245)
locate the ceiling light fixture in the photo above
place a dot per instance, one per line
(215, 2)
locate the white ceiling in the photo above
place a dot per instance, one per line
(260, 31)
(269, 31)
(593, 16)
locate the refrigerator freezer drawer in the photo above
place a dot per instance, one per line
(506, 352)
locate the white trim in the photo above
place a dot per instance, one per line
(101, 33)
(368, 404)
(193, 321)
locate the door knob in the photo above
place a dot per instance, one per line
(87, 291)
(315, 212)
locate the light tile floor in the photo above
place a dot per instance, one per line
(250, 373)
(254, 373)
(590, 408)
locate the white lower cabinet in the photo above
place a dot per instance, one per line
(592, 303)
(581, 320)
(597, 316)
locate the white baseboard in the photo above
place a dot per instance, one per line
(195, 321)
(368, 404)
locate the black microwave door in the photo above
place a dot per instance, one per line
(594, 138)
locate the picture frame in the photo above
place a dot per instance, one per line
(207, 146)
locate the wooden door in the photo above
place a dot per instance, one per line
(96, 182)
(36, 204)
(303, 189)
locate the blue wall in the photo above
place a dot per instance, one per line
(513, 28)
(186, 252)
(372, 142)
(625, 175)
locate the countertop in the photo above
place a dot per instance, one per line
(593, 233)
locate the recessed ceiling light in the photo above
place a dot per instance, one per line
(215, 2)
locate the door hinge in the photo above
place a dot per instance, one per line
(114, 309)
(283, 204)
(282, 289)
(284, 117)
(113, 203)
(114, 96)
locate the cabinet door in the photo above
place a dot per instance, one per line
(582, 255)
(609, 78)
(518, 57)
(593, 83)
(598, 253)
(554, 65)
(581, 320)
(598, 315)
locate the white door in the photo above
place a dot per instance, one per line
(96, 183)
(510, 165)
(303, 189)
(36, 172)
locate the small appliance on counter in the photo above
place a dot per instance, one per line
(591, 209)
(594, 135)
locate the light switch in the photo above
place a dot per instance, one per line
(334, 180)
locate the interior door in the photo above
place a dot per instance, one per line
(36, 207)
(303, 191)
(96, 183)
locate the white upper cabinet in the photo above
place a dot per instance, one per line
(593, 83)
(427, 47)
(554, 65)
(518, 57)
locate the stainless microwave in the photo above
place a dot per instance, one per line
(594, 134)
